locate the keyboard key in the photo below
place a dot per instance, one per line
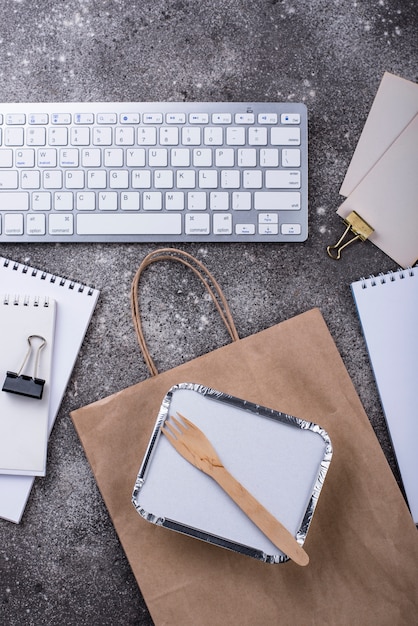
(230, 179)
(158, 157)
(84, 118)
(219, 201)
(58, 136)
(290, 118)
(278, 200)
(225, 157)
(221, 118)
(97, 179)
(147, 136)
(30, 179)
(267, 118)
(13, 224)
(245, 229)
(191, 136)
(197, 224)
(247, 157)
(8, 179)
(61, 224)
(282, 179)
(257, 136)
(129, 201)
(14, 201)
(86, 201)
(174, 201)
(80, 136)
(152, 118)
(61, 118)
(291, 157)
(241, 201)
(38, 118)
(213, 136)
(235, 136)
(268, 218)
(222, 224)
(252, 179)
(186, 179)
(291, 229)
(196, 201)
(41, 201)
(106, 118)
(244, 118)
(108, 201)
(6, 158)
(16, 118)
(128, 224)
(36, 136)
(125, 136)
(13, 136)
(175, 118)
(198, 118)
(152, 201)
(285, 136)
(268, 229)
(36, 224)
(169, 136)
(52, 179)
(130, 118)
(102, 136)
(63, 201)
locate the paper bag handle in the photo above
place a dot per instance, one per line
(211, 285)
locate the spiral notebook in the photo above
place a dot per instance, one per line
(27, 327)
(75, 303)
(388, 309)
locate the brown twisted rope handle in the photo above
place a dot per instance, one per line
(211, 285)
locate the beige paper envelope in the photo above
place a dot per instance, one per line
(387, 199)
(394, 106)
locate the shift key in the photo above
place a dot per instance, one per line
(277, 200)
(14, 201)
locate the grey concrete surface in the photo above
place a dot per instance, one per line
(63, 564)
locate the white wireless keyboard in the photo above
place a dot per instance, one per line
(163, 172)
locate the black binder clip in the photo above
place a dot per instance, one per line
(22, 384)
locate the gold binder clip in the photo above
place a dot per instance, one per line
(358, 227)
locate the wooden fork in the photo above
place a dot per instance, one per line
(194, 446)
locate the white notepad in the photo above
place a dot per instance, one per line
(26, 340)
(388, 311)
(75, 306)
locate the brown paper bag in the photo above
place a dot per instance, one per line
(362, 542)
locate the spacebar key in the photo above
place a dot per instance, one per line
(129, 224)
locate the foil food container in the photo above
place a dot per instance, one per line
(282, 460)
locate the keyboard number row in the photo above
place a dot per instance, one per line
(167, 135)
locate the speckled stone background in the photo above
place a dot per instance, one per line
(63, 565)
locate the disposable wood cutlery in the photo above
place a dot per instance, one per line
(194, 446)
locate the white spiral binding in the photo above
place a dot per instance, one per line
(382, 279)
(25, 300)
(43, 275)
